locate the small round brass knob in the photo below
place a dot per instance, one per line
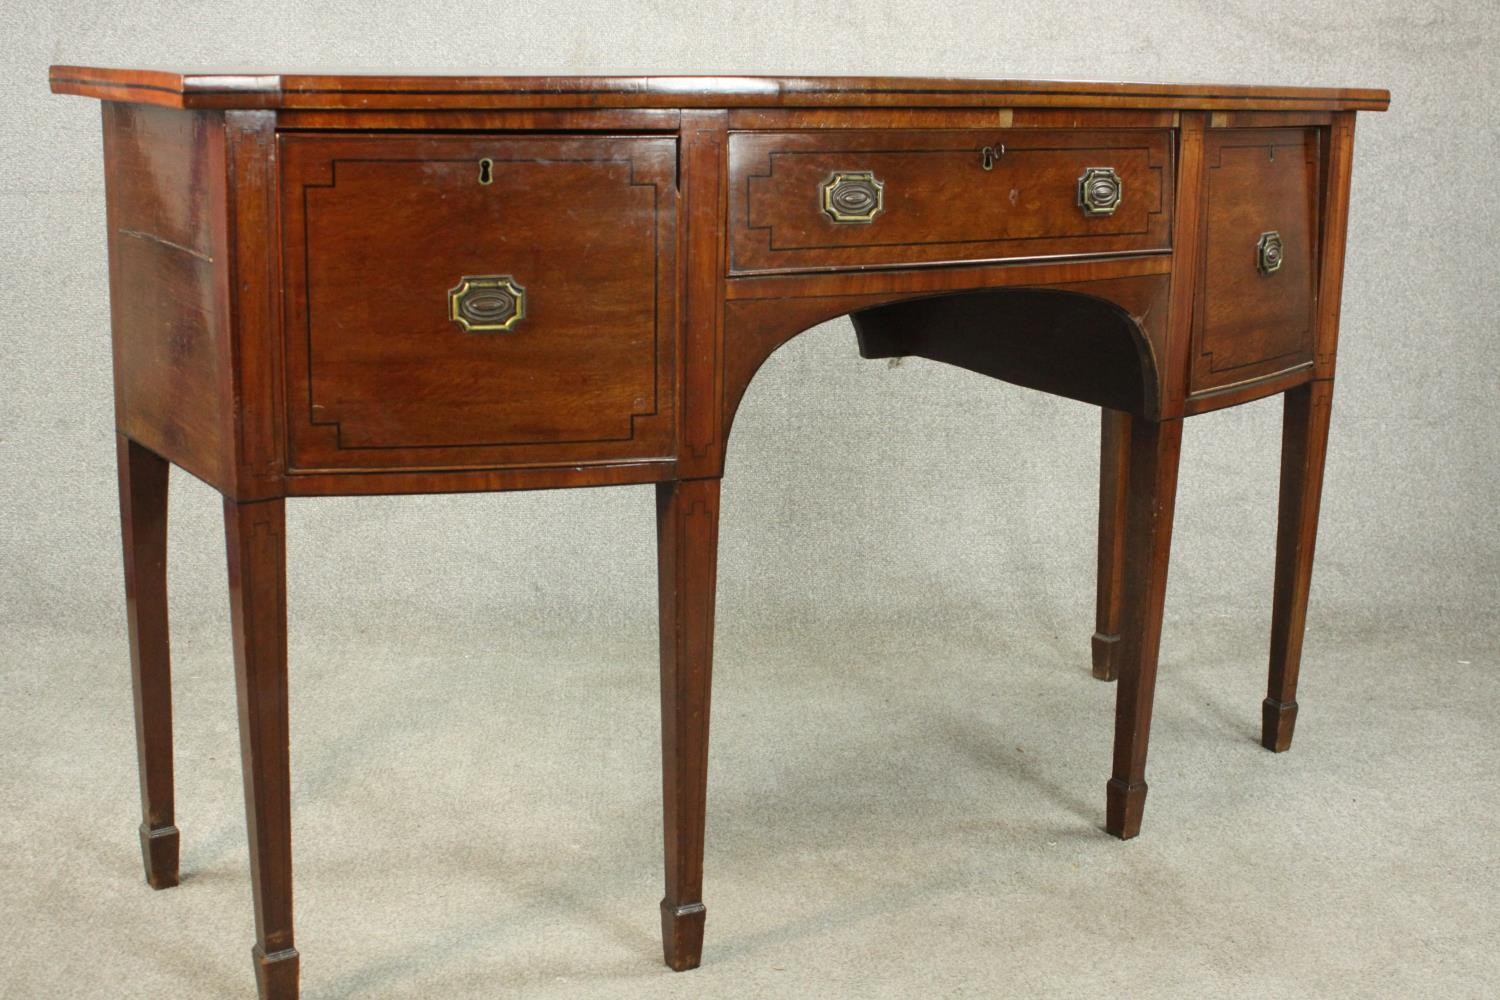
(1269, 253)
(1099, 191)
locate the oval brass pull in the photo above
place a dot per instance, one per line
(1099, 191)
(483, 303)
(1269, 253)
(853, 196)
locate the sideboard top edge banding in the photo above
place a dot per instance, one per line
(188, 89)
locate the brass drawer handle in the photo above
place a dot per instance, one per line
(1099, 191)
(853, 196)
(487, 302)
(1269, 253)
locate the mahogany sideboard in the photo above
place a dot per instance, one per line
(330, 285)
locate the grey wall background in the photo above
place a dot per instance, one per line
(867, 509)
(845, 494)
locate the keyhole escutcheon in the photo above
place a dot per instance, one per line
(486, 170)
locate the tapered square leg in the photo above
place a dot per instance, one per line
(1114, 489)
(1304, 447)
(1154, 452)
(256, 538)
(687, 522)
(143, 530)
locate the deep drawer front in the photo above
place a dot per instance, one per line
(818, 200)
(460, 301)
(1256, 298)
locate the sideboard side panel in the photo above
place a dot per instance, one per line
(164, 185)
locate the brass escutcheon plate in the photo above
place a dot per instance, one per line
(1269, 253)
(853, 196)
(483, 303)
(1100, 191)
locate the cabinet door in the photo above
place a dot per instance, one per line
(1256, 296)
(478, 301)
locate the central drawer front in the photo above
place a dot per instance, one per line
(801, 201)
(477, 301)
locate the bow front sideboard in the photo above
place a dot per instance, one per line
(328, 285)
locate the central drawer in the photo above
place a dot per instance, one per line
(458, 301)
(810, 201)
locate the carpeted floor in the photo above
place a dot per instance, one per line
(892, 813)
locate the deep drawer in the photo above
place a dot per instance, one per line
(1256, 300)
(821, 200)
(459, 301)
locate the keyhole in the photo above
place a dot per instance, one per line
(486, 170)
(989, 154)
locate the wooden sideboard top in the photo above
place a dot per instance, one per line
(192, 89)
